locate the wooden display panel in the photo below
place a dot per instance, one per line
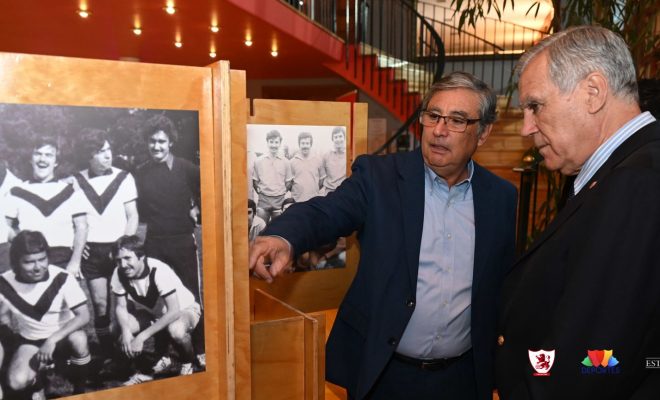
(309, 291)
(287, 351)
(28, 79)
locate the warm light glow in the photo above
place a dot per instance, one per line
(170, 9)
(212, 54)
(274, 53)
(248, 42)
(178, 44)
(215, 28)
(137, 31)
(83, 13)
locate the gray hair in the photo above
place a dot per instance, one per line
(464, 80)
(580, 50)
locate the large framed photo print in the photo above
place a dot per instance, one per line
(107, 284)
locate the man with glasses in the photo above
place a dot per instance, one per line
(436, 235)
(587, 289)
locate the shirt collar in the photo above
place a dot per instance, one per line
(605, 150)
(104, 173)
(35, 181)
(431, 176)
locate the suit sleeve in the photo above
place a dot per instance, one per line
(322, 220)
(611, 296)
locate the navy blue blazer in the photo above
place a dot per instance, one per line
(383, 200)
(591, 282)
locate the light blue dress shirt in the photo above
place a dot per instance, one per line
(440, 324)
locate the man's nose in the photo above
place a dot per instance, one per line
(441, 128)
(529, 125)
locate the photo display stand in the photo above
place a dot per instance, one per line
(59, 81)
(283, 356)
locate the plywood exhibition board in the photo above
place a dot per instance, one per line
(287, 351)
(308, 293)
(75, 92)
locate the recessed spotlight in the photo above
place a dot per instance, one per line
(274, 53)
(137, 31)
(248, 42)
(170, 10)
(83, 13)
(215, 28)
(178, 44)
(213, 54)
(300, 3)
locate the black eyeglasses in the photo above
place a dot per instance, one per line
(454, 123)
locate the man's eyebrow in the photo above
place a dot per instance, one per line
(460, 113)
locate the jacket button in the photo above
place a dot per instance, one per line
(392, 341)
(410, 303)
(500, 340)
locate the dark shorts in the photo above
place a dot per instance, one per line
(99, 262)
(20, 340)
(59, 256)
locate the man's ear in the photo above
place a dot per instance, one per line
(484, 134)
(597, 90)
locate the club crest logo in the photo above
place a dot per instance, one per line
(600, 362)
(541, 361)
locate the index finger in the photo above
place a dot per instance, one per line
(269, 250)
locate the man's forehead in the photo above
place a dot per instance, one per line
(124, 252)
(35, 256)
(46, 148)
(159, 135)
(455, 101)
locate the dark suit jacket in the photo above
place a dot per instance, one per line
(384, 201)
(591, 282)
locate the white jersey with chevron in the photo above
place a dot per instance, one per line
(106, 196)
(48, 208)
(38, 310)
(148, 291)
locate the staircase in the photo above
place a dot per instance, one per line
(392, 53)
(395, 84)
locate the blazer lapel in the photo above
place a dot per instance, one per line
(483, 224)
(644, 136)
(411, 192)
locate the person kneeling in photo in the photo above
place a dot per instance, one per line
(163, 309)
(47, 307)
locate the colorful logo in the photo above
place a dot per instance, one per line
(600, 362)
(541, 361)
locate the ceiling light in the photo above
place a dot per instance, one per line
(274, 53)
(178, 44)
(83, 13)
(170, 10)
(137, 31)
(215, 28)
(248, 42)
(301, 2)
(213, 54)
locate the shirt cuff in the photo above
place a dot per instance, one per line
(287, 242)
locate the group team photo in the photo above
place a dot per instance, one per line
(100, 253)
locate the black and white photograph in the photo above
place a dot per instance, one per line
(100, 248)
(288, 164)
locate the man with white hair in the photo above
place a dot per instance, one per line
(584, 299)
